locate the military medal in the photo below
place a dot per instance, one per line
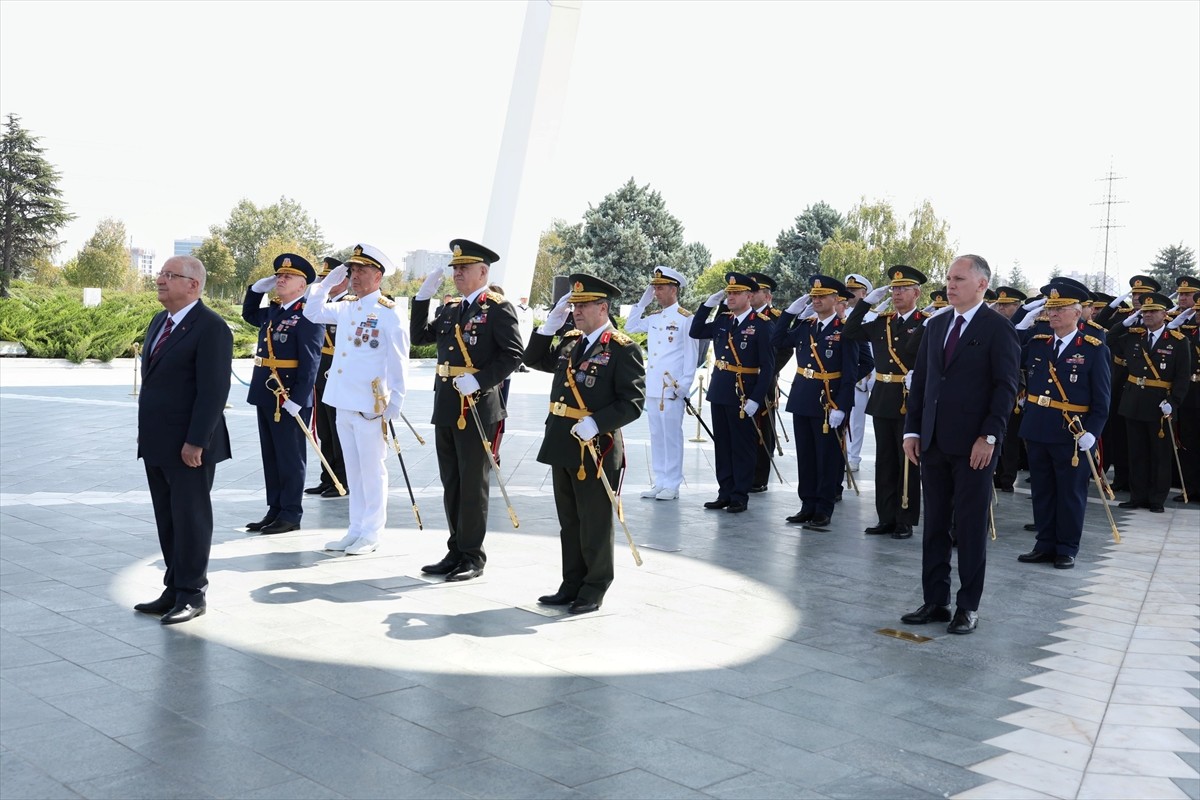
(358, 342)
(374, 343)
(829, 353)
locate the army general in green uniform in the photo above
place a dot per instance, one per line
(599, 386)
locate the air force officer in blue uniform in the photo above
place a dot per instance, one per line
(1068, 380)
(287, 358)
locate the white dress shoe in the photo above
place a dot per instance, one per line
(361, 547)
(651, 493)
(854, 466)
(667, 494)
(342, 543)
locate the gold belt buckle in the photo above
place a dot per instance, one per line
(558, 409)
(1141, 382)
(807, 372)
(722, 365)
(1043, 400)
(258, 361)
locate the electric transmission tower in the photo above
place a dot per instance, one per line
(1108, 202)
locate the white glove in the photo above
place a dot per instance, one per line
(556, 317)
(875, 295)
(908, 380)
(1181, 319)
(836, 418)
(264, 285)
(1020, 402)
(715, 299)
(870, 316)
(466, 384)
(392, 412)
(1166, 408)
(1027, 322)
(939, 312)
(1086, 442)
(798, 305)
(751, 408)
(585, 430)
(291, 407)
(1132, 319)
(1032, 304)
(335, 276)
(1120, 300)
(647, 297)
(433, 282)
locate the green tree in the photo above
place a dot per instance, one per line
(710, 281)
(798, 248)
(104, 260)
(1016, 279)
(31, 206)
(272, 248)
(249, 228)
(874, 238)
(625, 237)
(1171, 262)
(548, 264)
(43, 272)
(220, 266)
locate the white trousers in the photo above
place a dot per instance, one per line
(365, 453)
(666, 442)
(858, 425)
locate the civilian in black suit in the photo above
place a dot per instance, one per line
(186, 363)
(970, 359)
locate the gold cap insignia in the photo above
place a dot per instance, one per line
(358, 250)
(658, 273)
(732, 280)
(287, 262)
(457, 250)
(817, 284)
(897, 275)
(1004, 295)
(1137, 284)
(578, 287)
(1053, 294)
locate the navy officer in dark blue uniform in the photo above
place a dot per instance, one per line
(745, 366)
(1068, 384)
(287, 358)
(822, 394)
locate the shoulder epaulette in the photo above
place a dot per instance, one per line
(774, 312)
(1092, 340)
(573, 332)
(1095, 324)
(453, 301)
(1043, 336)
(887, 314)
(495, 297)
(1177, 334)
(652, 313)
(275, 301)
(348, 297)
(386, 303)
(621, 338)
(1138, 331)
(684, 312)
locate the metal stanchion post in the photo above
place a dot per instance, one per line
(137, 357)
(699, 437)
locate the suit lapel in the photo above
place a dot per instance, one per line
(181, 330)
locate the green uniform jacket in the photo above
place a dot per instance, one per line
(611, 379)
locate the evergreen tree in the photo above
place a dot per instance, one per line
(797, 254)
(31, 208)
(1171, 262)
(250, 227)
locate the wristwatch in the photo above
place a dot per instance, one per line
(990, 439)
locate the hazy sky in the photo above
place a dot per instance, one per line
(384, 119)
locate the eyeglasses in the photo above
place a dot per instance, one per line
(173, 275)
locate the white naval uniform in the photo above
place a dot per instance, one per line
(671, 351)
(858, 420)
(357, 361)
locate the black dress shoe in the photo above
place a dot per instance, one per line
(758, 489)
(838, 498)
(1155, 509)
(902, 532)
(1130, 504)
(735, 508)
(1119, 487)
(583, 607)
(718, 503)
(964, 622)
(559, 598)
(930, 612)
(881, 528)
(443, 567)
(320, 488)
(182, 612)
(333, 492)
(800, 516)
(464, 571)
(1005, 489)
(280, 526)
(1064, 562)
(1035, 557)
(258, 526)
(157, 607)
(1030, 526)
(818, 521)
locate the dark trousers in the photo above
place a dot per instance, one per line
(585, 531)
(331, 446)
(819, 465)
(1187, 425)
(1114, 445)
(956, 497)
(183, 515)
(889, 474)
(763, 454)
(1010, 455)
(466, 481)
(734, 443)
(284, 456)
(1149, 461)
(1059, 496)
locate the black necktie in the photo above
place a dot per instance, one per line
(1057, 348)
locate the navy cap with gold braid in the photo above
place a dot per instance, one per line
(1009, 294)
(904, 275)
(1153, 301)
(739, 282)
(327, 265)
(821, 285)
(588, 288)
(467, 252)
(1143, 284)
(1186, 284)
(763, 280)
(938, 298)
(292, 264)
(1060, 294)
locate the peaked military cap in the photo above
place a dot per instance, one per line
(1101, 299)
(1008, 294)
(1142, 284)
(990, 295)
(327, 265)
(292, 264)
(1186, 284)
(856, 281)
(665, 276)
(467, 252)
(1153, 301)
(938, 298)
(740, 282)
(820, 285)
(763, 280)
(904, 275)
(588, 288)
(1059, 294)
(366, 255)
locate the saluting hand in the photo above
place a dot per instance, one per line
(335, 276)
(433, 282)
(264, 285)
(715, 299)
(875, 295)
(556, 317)
(647, 297)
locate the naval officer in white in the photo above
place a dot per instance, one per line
(670, 368)
(366, 385)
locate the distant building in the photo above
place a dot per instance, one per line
(142, 261)
(420, 263)
(185, 247)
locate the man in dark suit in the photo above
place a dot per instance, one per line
(187, 361)
(599, 387)
(963, 391)
(478, 347)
